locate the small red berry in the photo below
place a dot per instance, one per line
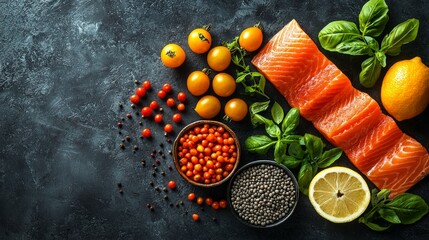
(135, 99)
(146, 133)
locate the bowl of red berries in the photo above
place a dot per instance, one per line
(206, 153)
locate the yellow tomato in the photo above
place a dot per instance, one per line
(223, 84)
(219, 58)
(172, 55)
(199, 40)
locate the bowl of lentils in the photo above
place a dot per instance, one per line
(263, 194)
(206, 153)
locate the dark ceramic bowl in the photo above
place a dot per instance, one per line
(256, 163)
(176, 158)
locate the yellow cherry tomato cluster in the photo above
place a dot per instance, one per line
(218, 59)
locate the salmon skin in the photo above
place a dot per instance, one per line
(345, 116)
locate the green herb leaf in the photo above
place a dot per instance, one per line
(258, 107)
(381, 57)
(293, 139)
(277, 113)
(314, 146)
(408, 207)
(389, 215)
(377, 227)
(371, 69)
(291, 162)
(279, 151)
(291, 121)
(373, 18)
(329, 157)
(403, 33)
(273, 130)
(257, 119)
(353, 47)
(372, 43)
(295, 150)
(336, 32)
(305, 175)
(259, 144)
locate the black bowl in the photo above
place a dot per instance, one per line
(261, 162)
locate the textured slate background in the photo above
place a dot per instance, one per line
(66, 66)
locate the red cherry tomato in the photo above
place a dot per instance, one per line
(171, 102)
(191, 196)
(154, 105)
(177, 118)
(146, 85)
(215, 205)
(162, 94)
(181, 96)
(167, 88)
(195, 217)
(135, 99)
(172, 184)
(181, 107)
(140, 92)
(158, 118)
(146, 133)
(168, 128)
(146, 111)
(223, 203)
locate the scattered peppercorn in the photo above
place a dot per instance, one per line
(121, 191)
(165, 189)
(170, 168)
(128, 138)
(148, 205)
(136, 147)
(119, 124)
(122, 145)
(128, 115)
(151, 184)
(157, 161)
(119, 185)
(133, 105)
(136, 81)
(140, 123)
(163, 173)
(154, 173)
(165, 197)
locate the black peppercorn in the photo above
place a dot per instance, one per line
(122, 145)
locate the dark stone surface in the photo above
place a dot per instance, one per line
(66, 66)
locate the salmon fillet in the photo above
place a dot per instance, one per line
(347, 117)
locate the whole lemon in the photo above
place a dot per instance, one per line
(405, 89)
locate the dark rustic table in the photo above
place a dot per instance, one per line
(65, 66)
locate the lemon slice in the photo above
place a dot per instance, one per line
(339, 194)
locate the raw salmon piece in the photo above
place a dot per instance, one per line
(288, 59)
(345, 115)
(365, 150)
(324, 98)
(403, 166)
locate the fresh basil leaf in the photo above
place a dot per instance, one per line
(249, 89)
(279, 151)
(336, 32)
(373, 18)
(290, 161)
(277, 113)
(305, 175)
(257, 119)
(370, 72)
(377, 227)
(258, 107)
(381, 57)
(408, 207)
(291, 121)
(295, 150)
(403, 33)
(329, 157)
(314, 146)
(240, 78)
(259, 144)
(353, 47)
(389, 215)
(261, 83)
(273, 130)
(372, 43)
(293, 139)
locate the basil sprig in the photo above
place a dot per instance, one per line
(406, 208)
(290, 149)
(346, 38)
